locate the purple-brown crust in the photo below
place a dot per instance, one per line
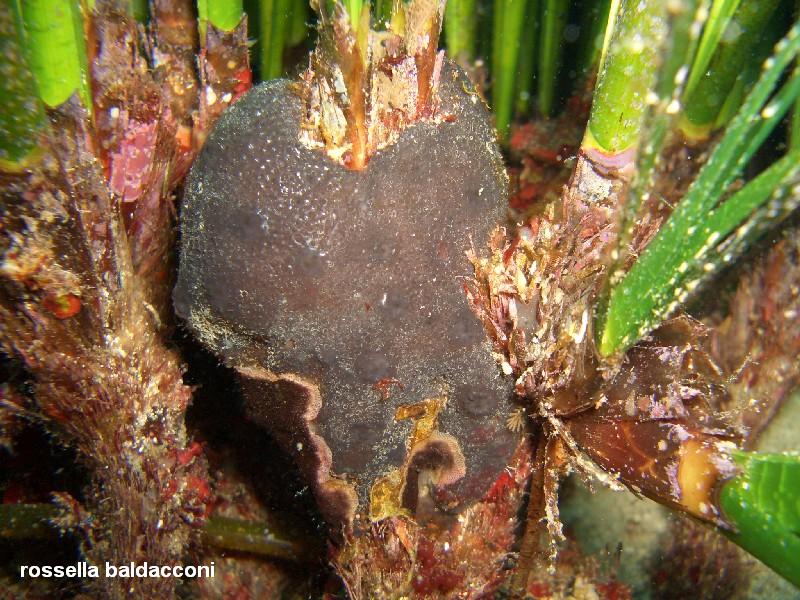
(292, 410)
(439, 456)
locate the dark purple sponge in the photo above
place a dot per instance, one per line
(338, 295)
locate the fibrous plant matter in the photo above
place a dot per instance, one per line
(651, 417)
(364, 87)
(86, 244)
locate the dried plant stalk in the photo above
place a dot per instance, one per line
(363, 87)
(84, 286)
(758, 341)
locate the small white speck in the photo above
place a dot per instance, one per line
(674, 107)
(680, 76)
(211, 96)
(584, 326)
(769, 111)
